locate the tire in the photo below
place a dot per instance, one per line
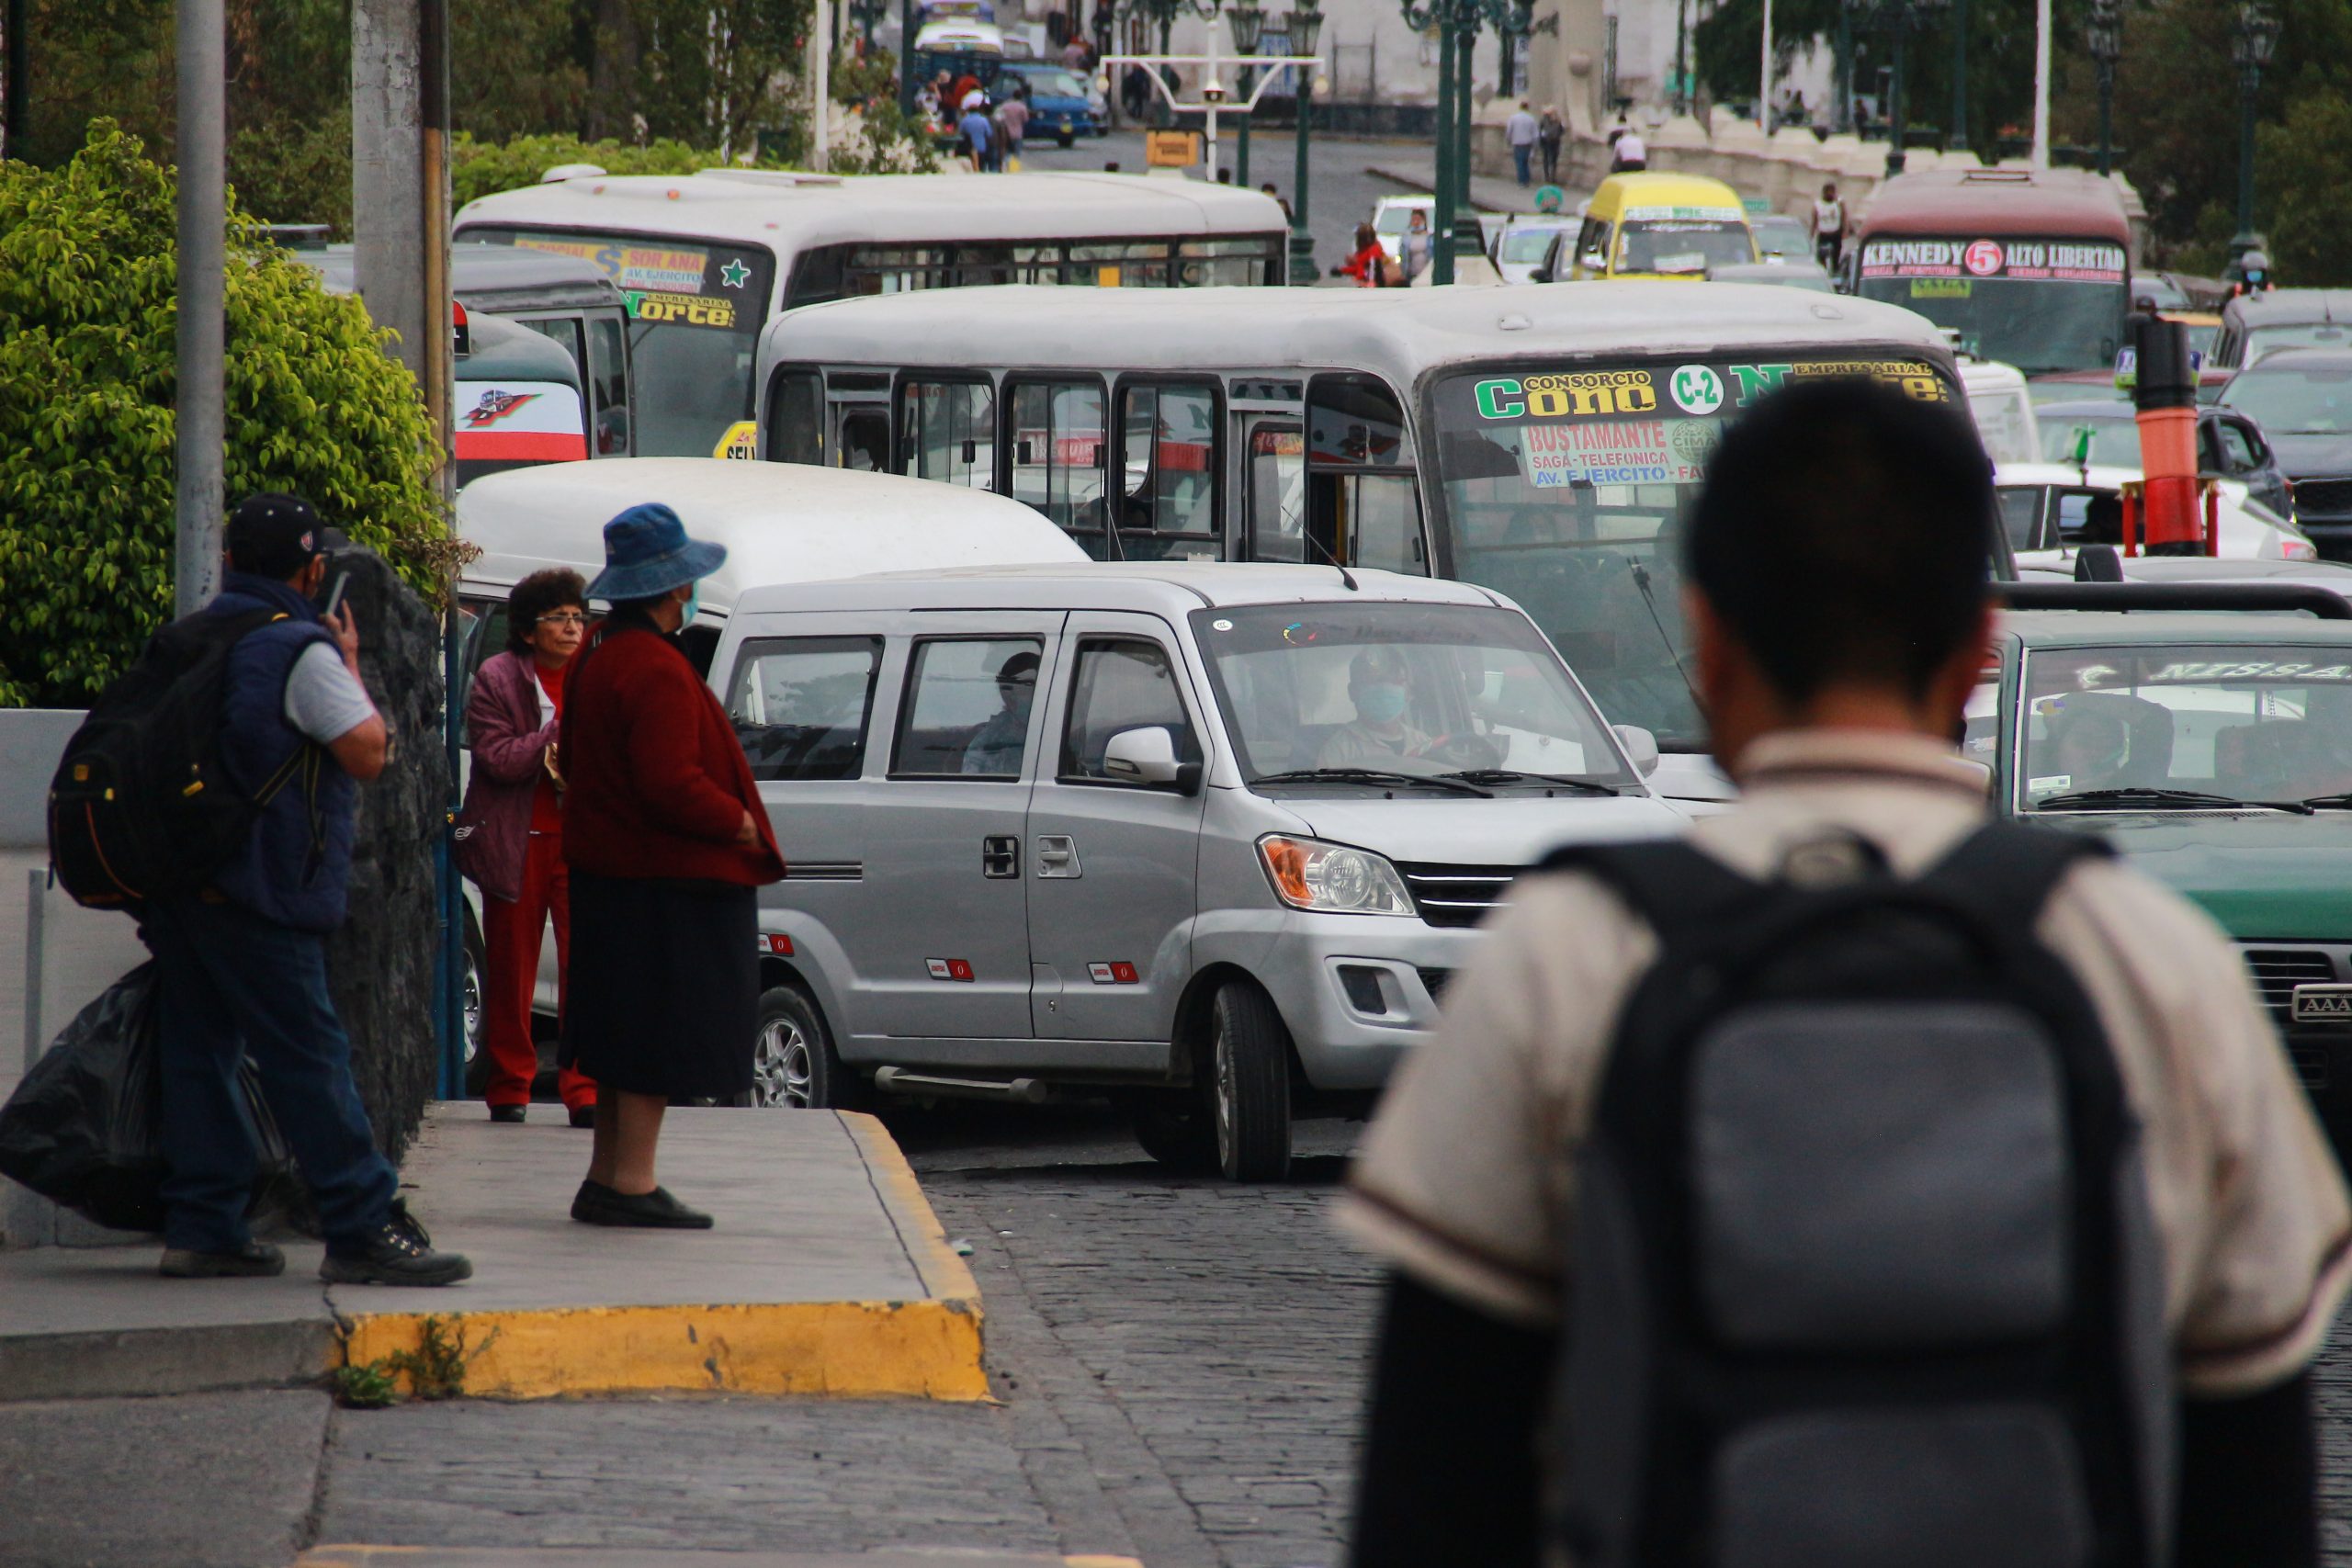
(1248, 1090)
(477, 1059)
(793, 1061)
(1175, 1130)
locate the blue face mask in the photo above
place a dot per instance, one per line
(692, 607)
(1383, 704)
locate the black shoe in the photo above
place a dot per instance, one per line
(255, 1259)
(507, 1112)
(598, 1204)
(584, 1116)
(398, 1252)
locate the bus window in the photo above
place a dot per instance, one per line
(796, 418)
(563, 330)
(865, 442)
(608, 387)
(1277, 480)
(1235, 263)
(1363, 499)
(950, 433)
(1168, 463)
(1056, 438)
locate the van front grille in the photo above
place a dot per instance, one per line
(1456, 894)
(2277, 972)
(2329, 498)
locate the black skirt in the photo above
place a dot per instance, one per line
(665, 986)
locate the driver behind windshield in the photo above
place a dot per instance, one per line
(995, 747)
(2085, 749)
(1379, 737)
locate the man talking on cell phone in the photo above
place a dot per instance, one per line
(242, 963)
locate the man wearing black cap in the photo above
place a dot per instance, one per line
(243, 965)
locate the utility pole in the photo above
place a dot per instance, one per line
(2040, 158)
(821, 81)
(202, 320)
(399, 187)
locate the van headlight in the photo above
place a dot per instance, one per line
(1309, 873)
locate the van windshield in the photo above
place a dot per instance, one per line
(1683, 245)
(1441, 692)
(695, 313)
(1564, 488)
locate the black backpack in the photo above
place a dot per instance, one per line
(141, 805)
(1863, 1272)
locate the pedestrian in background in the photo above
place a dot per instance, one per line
(1550, 132)
(974, 128)
(1415, 248)
(1365, 262)
(1840, 608)
(1828, 227)
(666, 840)
(242, 966)
(1628, 153)
(1013, 114)
(510, 834)
(1520, 131)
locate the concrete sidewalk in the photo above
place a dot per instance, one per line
(826, 1275)
(1417, 173)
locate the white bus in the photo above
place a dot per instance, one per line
(1540, 442)
(705, 259)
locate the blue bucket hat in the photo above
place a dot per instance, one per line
(647, 552)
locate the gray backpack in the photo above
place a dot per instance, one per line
(1863, 1272)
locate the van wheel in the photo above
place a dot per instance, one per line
(1175, 1130)
(793, 1061)
(471, 1013)
(1249, 1085)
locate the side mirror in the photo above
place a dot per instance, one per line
(1142, 756)
(1641, 747)
(1594, 260)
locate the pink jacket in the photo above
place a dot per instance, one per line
(508, 741)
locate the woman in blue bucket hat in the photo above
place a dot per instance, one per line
(666, 841)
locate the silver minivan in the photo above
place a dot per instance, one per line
(1209, 837)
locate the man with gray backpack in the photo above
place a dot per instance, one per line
(1859, 1184)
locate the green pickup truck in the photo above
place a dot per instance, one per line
(2214, 751)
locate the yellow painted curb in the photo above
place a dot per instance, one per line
(927, 1347)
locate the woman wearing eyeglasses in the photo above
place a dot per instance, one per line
(510, 834)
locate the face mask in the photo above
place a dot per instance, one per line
(692, 607)
(1380, 705)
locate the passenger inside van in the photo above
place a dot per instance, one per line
(997, 746)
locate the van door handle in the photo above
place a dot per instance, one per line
(1058, 856)
(1000, 855)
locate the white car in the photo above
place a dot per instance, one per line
(1525, 241)
(2047, 510)
(2003, 410)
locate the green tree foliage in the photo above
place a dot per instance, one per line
(2308, 161)
(87, 343)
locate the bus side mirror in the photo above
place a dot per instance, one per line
(1593, 260)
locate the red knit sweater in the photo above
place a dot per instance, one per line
(657, 783)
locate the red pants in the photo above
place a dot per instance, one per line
(511, 934)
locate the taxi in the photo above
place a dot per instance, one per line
(1658, 225)
(2214, 752)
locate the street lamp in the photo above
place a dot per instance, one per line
(2104, 34)
(2253, 37)
(1304, 27)
(1898, 16)
(1457, 23)
(1246, 19)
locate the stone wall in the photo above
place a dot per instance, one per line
(382, 963)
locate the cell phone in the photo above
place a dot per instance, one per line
(335, 585)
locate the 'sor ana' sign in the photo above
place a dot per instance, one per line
(1171, 149)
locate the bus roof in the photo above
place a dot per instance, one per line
(502, 350)
(493, 277)
(780, 522)
(1968, 203)
(787, 211)
(1402, 332)
(1644, 189)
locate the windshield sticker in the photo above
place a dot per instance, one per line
(734, 274)
(1695, 389)
(674, 268)
(1684, 215)
(1626, 452)
(1682, 261)
(1942, 287)
(741, 441)
(519, 421)
(694, 309)
(2048, 784)
(2059, 261)
(2250, 670)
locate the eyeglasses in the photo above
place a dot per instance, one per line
(564, 618)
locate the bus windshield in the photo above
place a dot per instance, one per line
(695, 312)
(1564, 488)
(1683, 245)
(2040, 305)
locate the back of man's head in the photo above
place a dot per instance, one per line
(1842, 534)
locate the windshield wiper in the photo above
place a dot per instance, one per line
(1373, 777)
(1512, 776)
(2129, 795)
(2341, 801)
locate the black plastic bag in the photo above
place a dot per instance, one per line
(84, 1128)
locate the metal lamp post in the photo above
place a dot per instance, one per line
(1457, 22)
(1306, 28)
(2253, 37)
(1898, 18)
(2104, 35)
(1246, 19)
(1959, 139)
